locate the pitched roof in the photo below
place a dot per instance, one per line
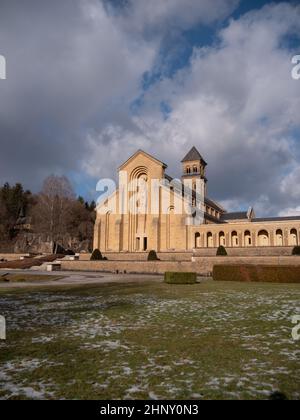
(277, 219)
(240, 215)
(193, 155)
(140, 151)
(207, 200)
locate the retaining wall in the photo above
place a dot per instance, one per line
(268, 251)
(201, 252)
(200, 265)
(142, 256)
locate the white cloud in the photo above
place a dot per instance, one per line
(146, 16)
(290, 212)
(237, 103)
(290, 185)
(77, 70)
(73, 68)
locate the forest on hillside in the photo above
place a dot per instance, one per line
(55, 214)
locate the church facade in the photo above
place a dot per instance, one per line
(135, 218)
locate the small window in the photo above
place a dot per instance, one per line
(195, 169)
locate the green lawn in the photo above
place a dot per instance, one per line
(210, 340)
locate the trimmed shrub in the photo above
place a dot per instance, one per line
(70, 252)
(180, 278)
(221, 251)
(296, 250)
(278, 396)
(96, 255)
(257, 273)
(153, 256)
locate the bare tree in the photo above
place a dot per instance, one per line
(53, 210)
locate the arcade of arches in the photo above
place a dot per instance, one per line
(256, 237)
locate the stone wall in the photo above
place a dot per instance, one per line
(205, 252)
(201, 265)
(270, 251)
(142, 256)
(206, 264)
(140, 267)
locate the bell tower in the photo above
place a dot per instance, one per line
(194, 167)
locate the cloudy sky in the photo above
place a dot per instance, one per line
(90, 81)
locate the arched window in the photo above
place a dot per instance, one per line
(279, 238)
(188, 170)
(263, 238)
(234, 239)
(197, 240)
(248, 239)
(293, 238)
(210, 240)
(222, 240)
(195, 169)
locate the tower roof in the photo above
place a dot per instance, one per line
(193, 155)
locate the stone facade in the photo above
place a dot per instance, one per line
(165, 229)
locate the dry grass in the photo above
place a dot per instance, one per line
(23, 278)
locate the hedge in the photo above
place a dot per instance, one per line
(257, 273)
(296, 250)
(180, 278)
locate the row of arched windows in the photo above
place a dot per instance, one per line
(262, 239)
(190, 170)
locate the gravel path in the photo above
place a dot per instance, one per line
(77, 278)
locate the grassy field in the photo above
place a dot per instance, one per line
(151, 341)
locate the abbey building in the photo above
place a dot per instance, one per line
(161, 227)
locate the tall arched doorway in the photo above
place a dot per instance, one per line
(234, 239)
(197, 240)
(279, 237)
(247, 238)
(138, 209)
(263, 238)
(210, 240)
(293, 238)
(222, 240)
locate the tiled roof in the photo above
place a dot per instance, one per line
(207, 200)
(277, 219)
(240, 215)
(193, 155)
